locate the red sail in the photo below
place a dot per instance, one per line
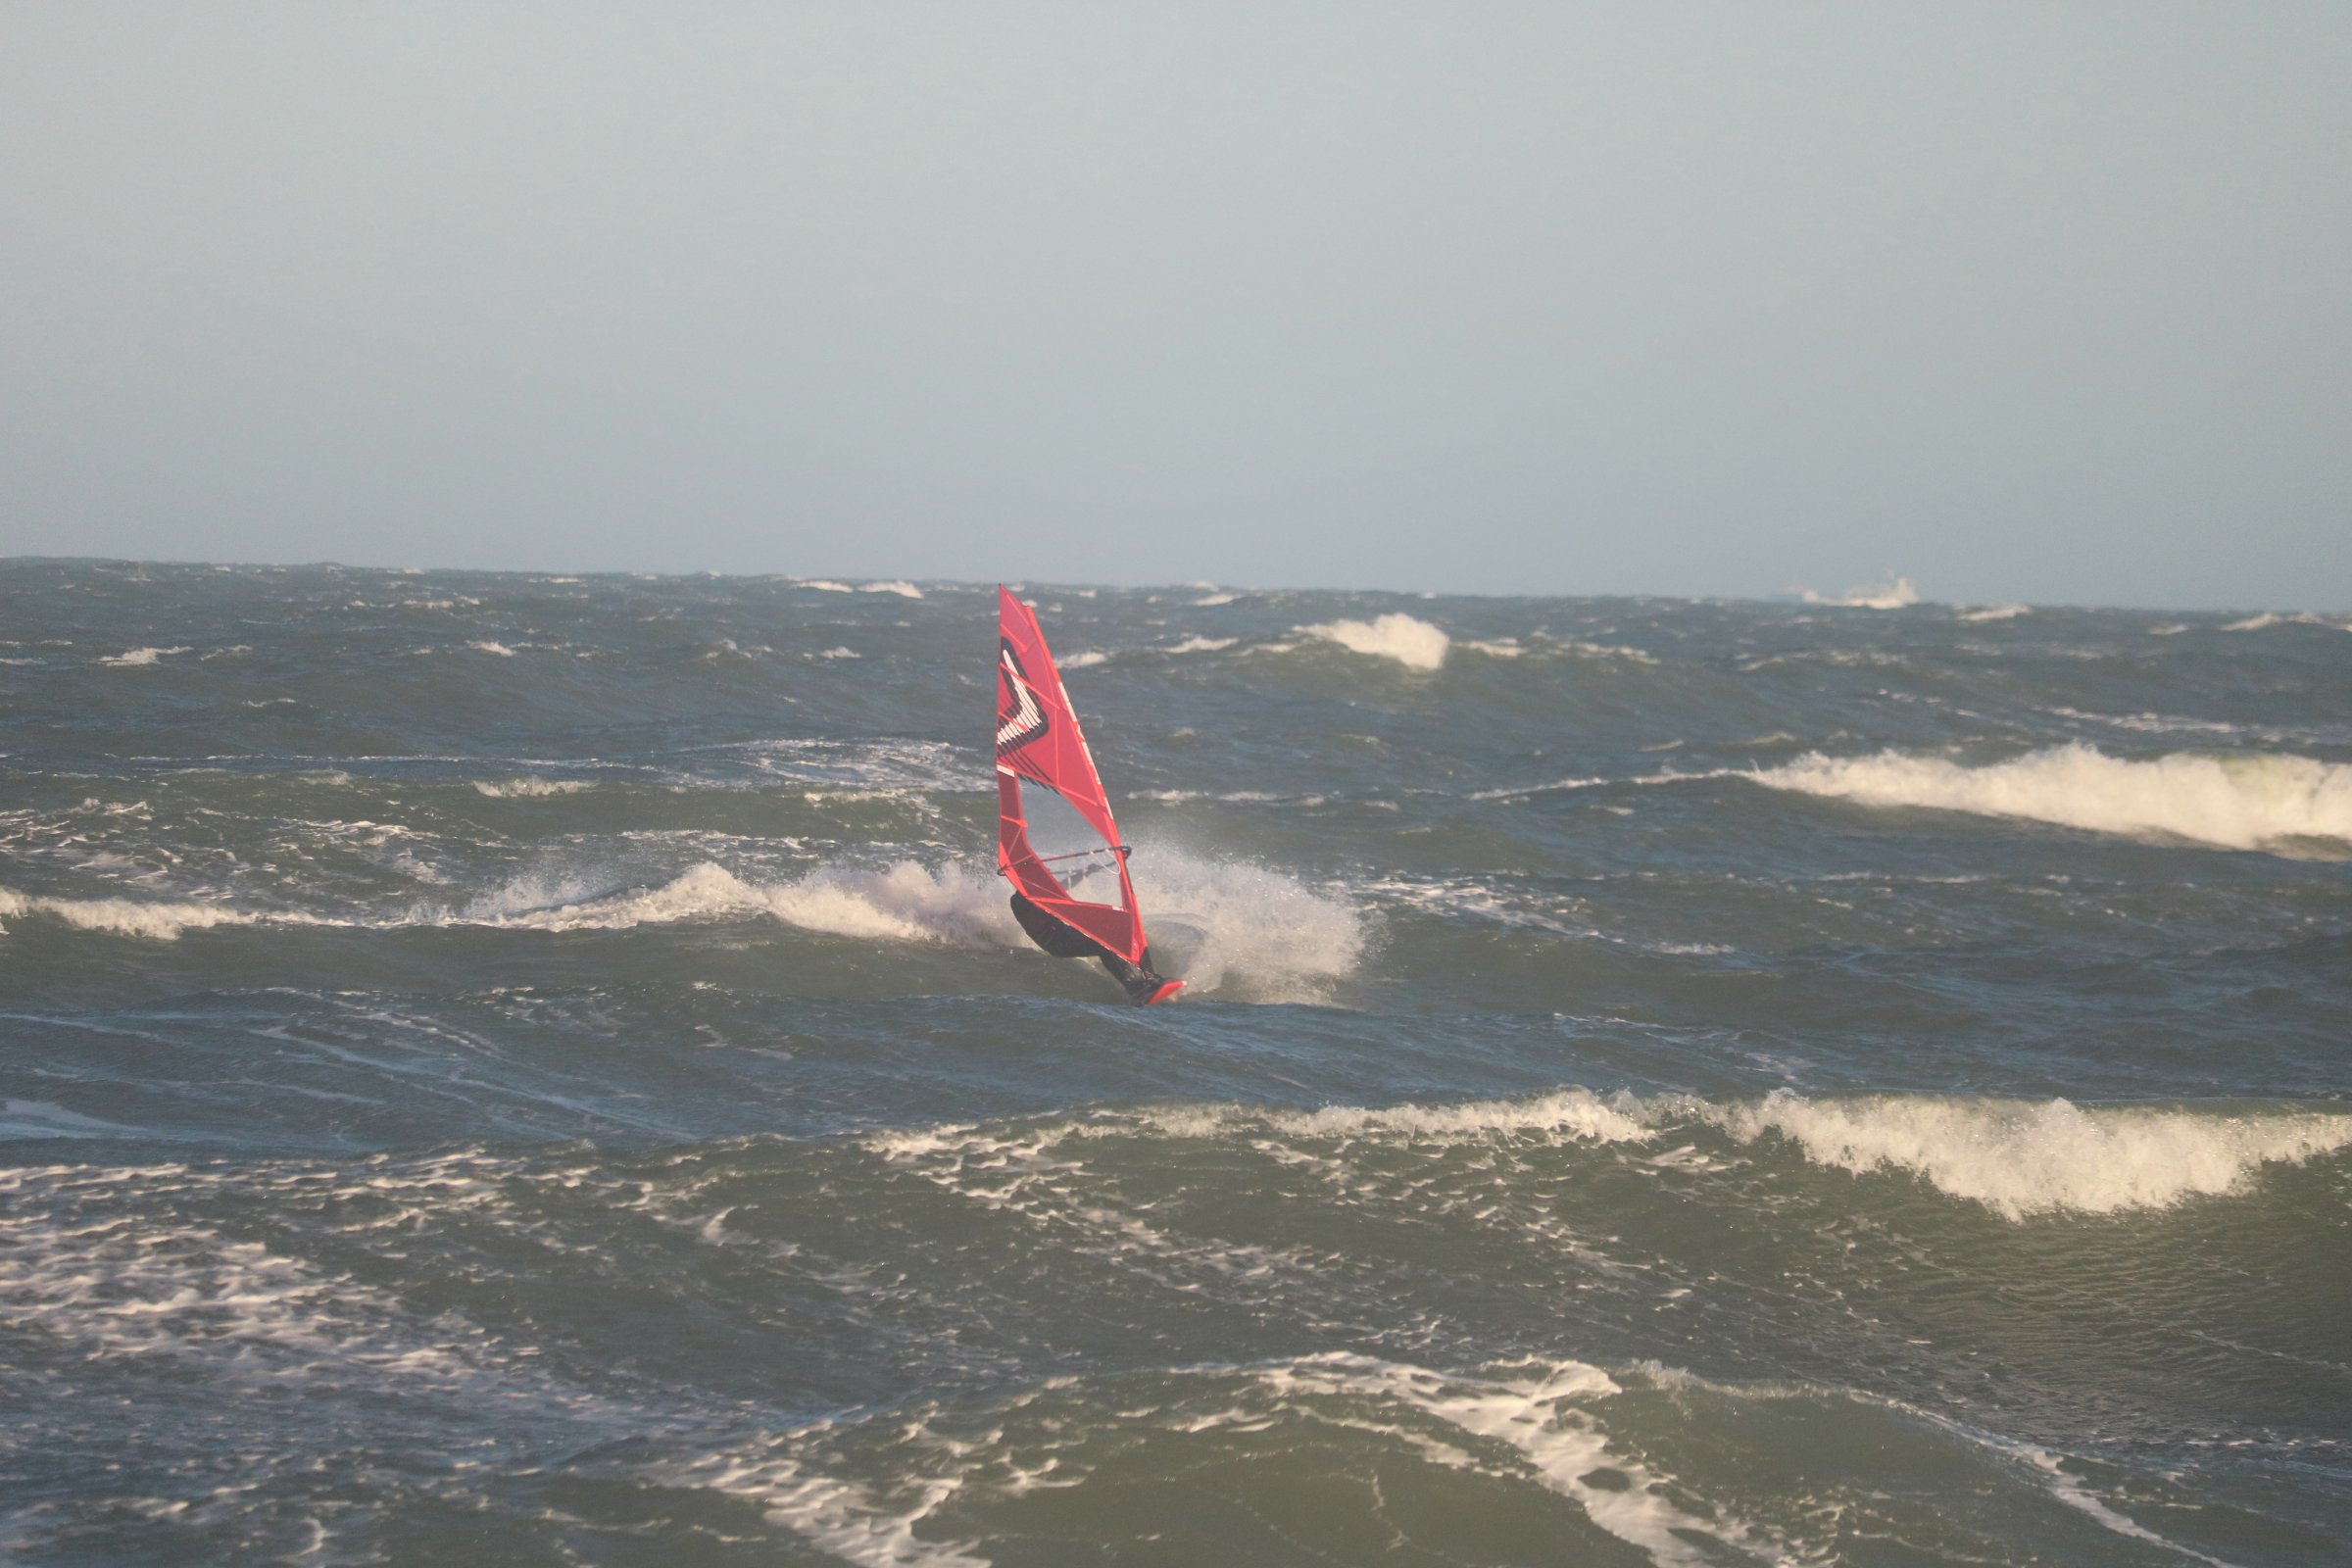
(1055, 838)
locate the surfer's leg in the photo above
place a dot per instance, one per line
(1143, 987)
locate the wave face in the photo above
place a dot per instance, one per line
(534, 1068)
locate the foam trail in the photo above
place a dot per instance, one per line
(901, 902)
(2244, 801)
(1411, 642)
(1997, 612)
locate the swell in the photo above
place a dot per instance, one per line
(2018, 1158)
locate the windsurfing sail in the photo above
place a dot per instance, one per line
(1056, 841)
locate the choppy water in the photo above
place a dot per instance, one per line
(532, 1069)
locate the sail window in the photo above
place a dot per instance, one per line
(1074, 854)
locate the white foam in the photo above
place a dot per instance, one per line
(112, 1270)
(1203, 645)
(905, 590)
(1085, 661)
(487, 647)
(1896, 593)
(2242, 801)
(840, 653)
(1997, 612)
(517, 788)
(1608, 650)
(1503, 648)
(1214, 598)
(2021, 1158)
(1573, 1113)
(1543, 1413)
(826, 585)
(1411, 642)
(128, 918)
(841, 1518)
(138, 657)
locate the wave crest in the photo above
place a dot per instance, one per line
(127, 917)
(2245, 802)
(2019, 1158)
(1410, 641)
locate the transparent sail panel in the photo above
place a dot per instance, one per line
(1074, 854)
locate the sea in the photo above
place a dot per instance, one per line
(538, 1070)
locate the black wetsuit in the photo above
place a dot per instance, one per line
(1065, 941)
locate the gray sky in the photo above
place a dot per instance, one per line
(2029, 302)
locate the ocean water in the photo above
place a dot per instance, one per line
(536, 1070)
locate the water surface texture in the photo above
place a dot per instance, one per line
(529, 1069)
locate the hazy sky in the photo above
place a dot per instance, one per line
(2037, 302)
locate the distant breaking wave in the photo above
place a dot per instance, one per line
(1410, 641)
(2241, 801)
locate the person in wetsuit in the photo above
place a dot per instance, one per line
(1065, 941)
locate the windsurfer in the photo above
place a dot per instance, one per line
(1065, 941)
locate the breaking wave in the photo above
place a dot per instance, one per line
(2244, 801)
(159, 921)
(1410, 641)
(2018, 1158)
